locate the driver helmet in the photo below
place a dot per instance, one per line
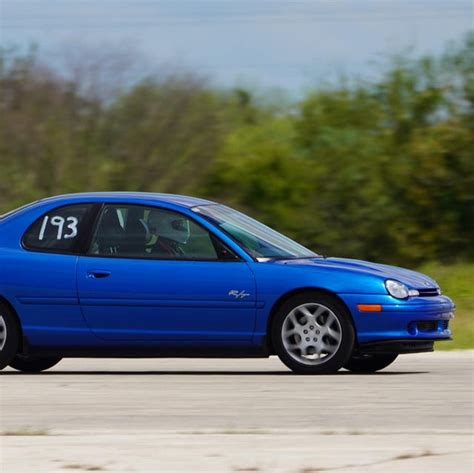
(170, 226)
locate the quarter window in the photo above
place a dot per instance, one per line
(135, 231)
(58, 230)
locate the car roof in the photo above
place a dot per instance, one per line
(182, 200)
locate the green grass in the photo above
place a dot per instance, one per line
(80, 466)
(457, 282)
(25, 432)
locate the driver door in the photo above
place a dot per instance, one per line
(155, 274)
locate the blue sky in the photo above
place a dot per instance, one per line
(287, 43)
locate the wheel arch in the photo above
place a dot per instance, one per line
(297, 291)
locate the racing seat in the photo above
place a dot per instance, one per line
(135, 236)
(110, 233)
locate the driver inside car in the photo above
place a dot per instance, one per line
(168, 234)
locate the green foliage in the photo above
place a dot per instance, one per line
(456, 281)
(379, 170)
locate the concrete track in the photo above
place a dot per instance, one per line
(238, 415)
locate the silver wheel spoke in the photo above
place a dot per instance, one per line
(292, 318)
(330, 319)
(320, 349)
(319, 311)
(333, 334)
(311, 333)
(305, 311)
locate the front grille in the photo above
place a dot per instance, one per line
(435, 291)
(427, 325)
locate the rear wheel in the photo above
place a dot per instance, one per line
(312, 334)
(34, 364)
(370, 363)
(9, 336)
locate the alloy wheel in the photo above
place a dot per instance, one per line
(311, 333)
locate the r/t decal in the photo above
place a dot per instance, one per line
(238, 294)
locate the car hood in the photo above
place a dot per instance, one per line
(411, 278)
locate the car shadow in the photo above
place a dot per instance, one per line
(202, 373)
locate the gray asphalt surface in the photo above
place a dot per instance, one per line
(238, 415)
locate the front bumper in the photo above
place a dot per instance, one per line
(395, 346)
(417, 318)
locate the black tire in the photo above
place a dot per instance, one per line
(34, 364)
(345, 329)
(370, 363)
(9, 335)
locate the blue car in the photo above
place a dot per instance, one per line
(154, 275)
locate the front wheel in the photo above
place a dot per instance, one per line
(34, 364)
(370, 363)
(313, 334)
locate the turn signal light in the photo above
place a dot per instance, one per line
(369, 307)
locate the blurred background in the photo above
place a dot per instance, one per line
(347, 125)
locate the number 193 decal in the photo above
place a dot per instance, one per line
(59, 222)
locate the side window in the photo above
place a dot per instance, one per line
(145, 232)
(58, 230)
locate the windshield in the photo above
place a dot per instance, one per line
(257, 239)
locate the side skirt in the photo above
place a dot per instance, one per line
(125, 352)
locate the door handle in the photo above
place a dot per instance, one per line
(98, 274)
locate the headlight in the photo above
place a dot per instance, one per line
(398, 289)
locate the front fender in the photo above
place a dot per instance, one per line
(275, 280)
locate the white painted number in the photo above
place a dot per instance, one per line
(72, 226)
(59, 222)
(43, 227)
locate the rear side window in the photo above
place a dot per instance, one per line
(58, 230)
